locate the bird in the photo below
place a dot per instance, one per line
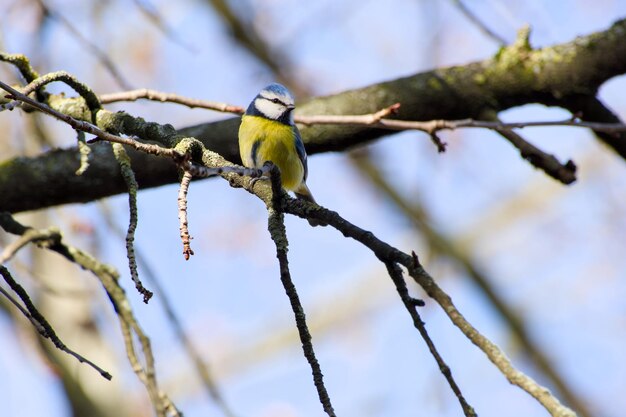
(268, 134)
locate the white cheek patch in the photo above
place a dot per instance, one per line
(269, 109)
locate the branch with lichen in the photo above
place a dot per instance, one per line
(411, 304)
(143, 367)
(391, 255)
(492, 85)
(278, 233)
(191, 147)
(566, 75)
(417, 214)
(201, 367)
(131, 183)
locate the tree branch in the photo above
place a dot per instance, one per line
(163, 97)
(39, 322)
(109, 278)
(182, 214)
(389, 254)
(276, 227)
(200, 366)
(557, 76)
(441, 243)
(395, 272)
(131, 183)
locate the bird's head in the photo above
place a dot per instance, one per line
(274, 102)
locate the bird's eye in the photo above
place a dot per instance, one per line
(275, 100)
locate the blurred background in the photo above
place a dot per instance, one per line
(538, 267)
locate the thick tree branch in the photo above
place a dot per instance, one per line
(557, 76)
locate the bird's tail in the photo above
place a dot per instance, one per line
(304, 193)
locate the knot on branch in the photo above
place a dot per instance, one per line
(522, 41)
(191, 147)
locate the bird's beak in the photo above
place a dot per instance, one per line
(290, 107)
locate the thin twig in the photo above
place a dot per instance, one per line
(163, 97)
(276, 227)
(131, 183)
(182, 214)
(39, 237)
(92, 47)
(200, 365)
(437, 125)
(377, 119)
(417, 214)
(565, 173)
(478, 23)
(387, 253)
(90, 128)
(39, 321)
(409, 303)
(109, 278)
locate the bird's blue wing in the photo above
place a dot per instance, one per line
(301, 151)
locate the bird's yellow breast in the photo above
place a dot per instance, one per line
(262, 140)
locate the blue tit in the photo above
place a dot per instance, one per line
(269, 134)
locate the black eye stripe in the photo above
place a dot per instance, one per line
(275, 100)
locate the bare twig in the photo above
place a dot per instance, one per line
(478, 23)
(377, 119)
(565, 173)
(439, 144)
(395, 272)
(39, 322)
(163, 97)
(588, 109)
(182, 214)
(438, 125)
